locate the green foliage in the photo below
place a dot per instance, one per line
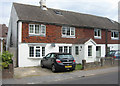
(6, 59)
(78, 67)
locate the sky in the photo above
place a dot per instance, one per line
(104, 8)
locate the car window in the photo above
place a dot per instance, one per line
(52, 56)
(65, 56)
(48, 55)
(117, 52)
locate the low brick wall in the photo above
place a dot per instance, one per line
(104, 62)
(8, 73)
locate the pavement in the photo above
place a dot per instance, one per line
(43, 79)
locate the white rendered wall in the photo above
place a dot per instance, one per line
(26, 61)
(114, 46)
(80, 57)
(90, 58)
(103, 51)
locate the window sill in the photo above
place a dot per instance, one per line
(68, 36)
(96, 37)
(35, 57)
(37, 35)
(114, 38)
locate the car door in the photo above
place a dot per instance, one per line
(47, 60)
(51, 60)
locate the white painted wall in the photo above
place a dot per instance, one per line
(93, 57)
(12, 28)
(23, 55)
(103, 51)
(80, 57)
(114, 46)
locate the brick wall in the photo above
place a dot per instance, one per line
(53, 35)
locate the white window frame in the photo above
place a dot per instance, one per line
(35, 52)
(91, 50)
(114, 38)
(77, 51)
(97, 37)
(67, 49)
(40, 30)
(68, 36)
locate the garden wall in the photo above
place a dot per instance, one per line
(104, 62)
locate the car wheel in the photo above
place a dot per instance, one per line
(53, 68)
(42, 65)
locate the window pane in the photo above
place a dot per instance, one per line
(112, 34)
(31, 50)
(72, 31)
(95, 32)
(70, 50)
(65, 49)
(43, 51)
(31, 28)
(60, 49)
(89, 50)
(37, 29)
(68, 31)
(98, 32)
(116, 34)
(37, 51)
(76, 50)
(64, 31)
(43, 29)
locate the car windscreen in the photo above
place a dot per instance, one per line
(65, 56)
(111, 52)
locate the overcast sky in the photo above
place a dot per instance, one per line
(105, 8)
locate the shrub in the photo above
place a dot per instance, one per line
(78, 67)
(6, 59)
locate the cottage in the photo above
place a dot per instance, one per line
(37, 30)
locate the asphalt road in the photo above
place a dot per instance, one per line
(107, 78)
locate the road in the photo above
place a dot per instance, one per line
(107, 78)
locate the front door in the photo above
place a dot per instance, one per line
(98, 51)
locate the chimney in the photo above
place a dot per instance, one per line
(43, 4)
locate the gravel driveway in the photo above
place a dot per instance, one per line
(31, 71)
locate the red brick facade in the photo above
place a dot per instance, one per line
(53, 35)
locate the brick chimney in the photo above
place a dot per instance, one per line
(43, 4)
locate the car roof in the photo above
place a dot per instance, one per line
(61, 53)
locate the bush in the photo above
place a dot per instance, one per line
(6, 59)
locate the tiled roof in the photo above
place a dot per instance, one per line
(55, 16)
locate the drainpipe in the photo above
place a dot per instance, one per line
(1, 46)
(106, 40)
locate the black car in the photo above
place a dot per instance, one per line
(58, 61)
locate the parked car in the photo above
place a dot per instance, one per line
(114, 53)
(58, 62)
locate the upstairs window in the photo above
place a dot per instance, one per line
(97, 33)
(114, 35)
(36, 29)
(68, 31)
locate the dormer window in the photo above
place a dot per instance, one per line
(68, 32)
(58, 12)
(36, 29)
(97, 33)
(114, 35)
